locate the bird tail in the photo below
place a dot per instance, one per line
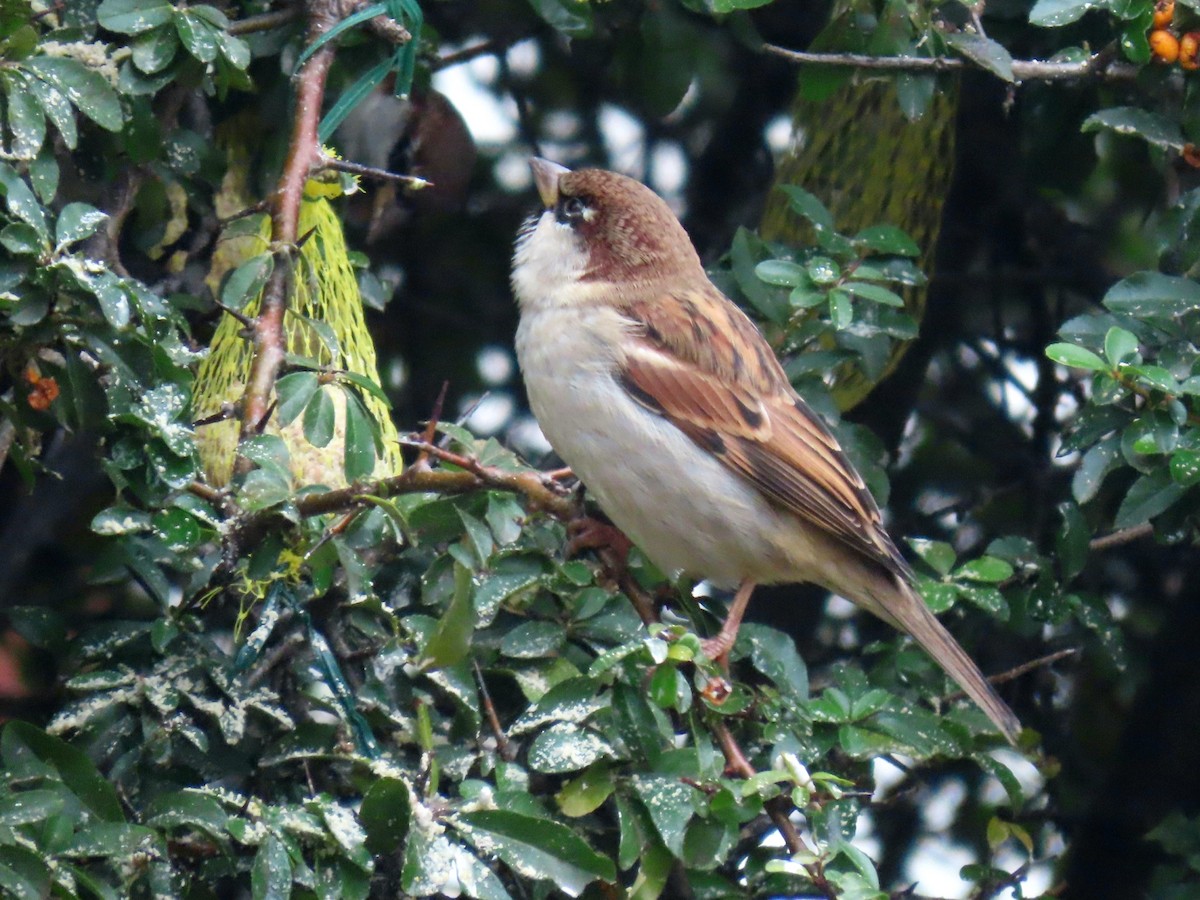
(902, 607)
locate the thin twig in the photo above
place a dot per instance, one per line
(344, 165)
(1017, 671)
(264, 22)
(503, 746)
(1123, 536)
(430, 432)
(1097, 66)
(466, 54)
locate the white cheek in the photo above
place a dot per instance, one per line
(548, 261)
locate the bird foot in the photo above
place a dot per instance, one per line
(717, 648)
(588, 533)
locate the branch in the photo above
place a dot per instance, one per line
(737, 762)
(412, 182)
(1124, 536)
(264, 22)
(1017, 671)
(269, 338)
(1099, 66)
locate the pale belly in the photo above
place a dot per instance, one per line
(685, 510)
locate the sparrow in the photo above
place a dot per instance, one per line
(667, 402)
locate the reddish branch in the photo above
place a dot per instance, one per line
(269, 337)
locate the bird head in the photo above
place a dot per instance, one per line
(597, 228)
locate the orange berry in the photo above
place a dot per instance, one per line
(1164, 12)
(49, 388)
(1191, 155)
(1164, 45)
(1189, 50)
(38, 401)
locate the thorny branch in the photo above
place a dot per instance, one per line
(269, 338)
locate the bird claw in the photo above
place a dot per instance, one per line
(589, 533)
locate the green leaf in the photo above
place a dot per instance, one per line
(782, 272)
(807, 206)
(155, 50)
(586, 793)
(385, 814)
(21, 202)
(294, 392)
(774, 654)
(320, 419)
(22, 239)
(574, 700)
(198, 36)
(25, 807)
(133, 16)
(1094, 467)
(1185, 467)
(358, 449)
(22, 744)
(987, 569)
(887, 239)
(1054, 13)
(1150, 495)
(26, 118)
(267, 451)
(479, 536)
(938, 555)
(982, 51)
(1153, 294)
(451, 638)
(1076, 357)
(873, 292)
(533, 640)
(1132, 120)
(1120, 345)
(369, 385)
(938, 595)
(188, 809)
(1072, 540)
(58, 110)
(744, 253)
(572, 18)
(841, 312)
(264, 488)
(76, 222)
(669, 689)
(537, 848)
(114, 839)
(89, 91)
(565, 747)
(246, 282)
(671, 805)
(341, 822)
(271, 874)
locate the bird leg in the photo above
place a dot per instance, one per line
(717, 648)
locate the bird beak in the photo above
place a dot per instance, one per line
(545, 175)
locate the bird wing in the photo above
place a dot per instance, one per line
(699, 362)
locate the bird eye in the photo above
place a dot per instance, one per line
(571, 209)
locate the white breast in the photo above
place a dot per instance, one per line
(674, 500)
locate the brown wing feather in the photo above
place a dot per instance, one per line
(686, 367)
